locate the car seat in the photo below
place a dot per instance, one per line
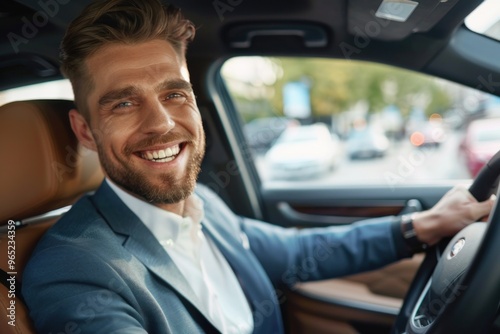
(43, 170)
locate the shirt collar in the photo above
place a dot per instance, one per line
(164, 225)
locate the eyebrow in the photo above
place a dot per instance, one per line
(125, 92)
(117, 95)
(175, 84)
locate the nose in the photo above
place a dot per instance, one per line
(156, 119)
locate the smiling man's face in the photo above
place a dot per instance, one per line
(144, 122)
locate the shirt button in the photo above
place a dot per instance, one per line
(167, 243)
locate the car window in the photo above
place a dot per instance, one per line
(59, 89)
(383, 125)
(485, 19)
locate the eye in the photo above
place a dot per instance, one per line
(175, 98)
(124, 104)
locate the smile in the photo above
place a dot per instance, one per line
(164, 155)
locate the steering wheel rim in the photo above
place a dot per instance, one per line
(477, 293)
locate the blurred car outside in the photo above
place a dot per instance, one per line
(261, 133)
(303, 152)
(480, 143)
(429, 133)
(367, 143)
(392, 122)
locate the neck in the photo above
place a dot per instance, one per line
(177, 208)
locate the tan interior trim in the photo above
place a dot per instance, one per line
(45, 167)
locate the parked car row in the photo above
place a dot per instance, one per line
(307, 151)
(480, 143)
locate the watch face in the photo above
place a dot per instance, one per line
(407, 227)
(410, 235)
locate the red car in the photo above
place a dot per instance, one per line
(481, 142)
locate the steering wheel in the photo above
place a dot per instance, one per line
(457, 287)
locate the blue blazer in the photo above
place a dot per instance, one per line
(100, 270)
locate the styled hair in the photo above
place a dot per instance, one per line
(104, 22)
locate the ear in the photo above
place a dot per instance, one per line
(82, 130)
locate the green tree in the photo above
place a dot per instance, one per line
(336, 85)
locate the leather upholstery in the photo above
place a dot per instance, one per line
(308, 312)
(392, 280)
(42, 168)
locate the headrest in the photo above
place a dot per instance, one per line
(42, 165)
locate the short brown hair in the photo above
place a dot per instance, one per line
(118, 21)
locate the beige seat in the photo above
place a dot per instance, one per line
(42, 169)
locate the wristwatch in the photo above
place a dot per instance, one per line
(409, 234)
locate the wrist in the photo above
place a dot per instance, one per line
(413, 243)
(425, 226)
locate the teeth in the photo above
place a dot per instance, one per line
(165, 155)
(165, 159)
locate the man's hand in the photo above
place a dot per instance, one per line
(457, 209)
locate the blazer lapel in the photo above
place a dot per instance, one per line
(252, 279)
(142, 244)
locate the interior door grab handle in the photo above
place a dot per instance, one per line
(313, 36)
(292, 214)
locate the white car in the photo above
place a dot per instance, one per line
(367, 143)
(303, 152)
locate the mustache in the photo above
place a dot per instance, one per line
(157, 140)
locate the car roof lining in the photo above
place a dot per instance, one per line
(420, 44)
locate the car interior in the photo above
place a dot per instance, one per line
(44, 170)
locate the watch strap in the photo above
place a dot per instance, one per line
(410, 235)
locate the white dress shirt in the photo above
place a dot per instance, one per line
(198, 259)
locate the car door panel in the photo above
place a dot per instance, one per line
(310, 205)
(348, 304)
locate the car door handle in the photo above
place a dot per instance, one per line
(290, 213)
(412, 205)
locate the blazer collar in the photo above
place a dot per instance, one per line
(251, 275)
(142, 244)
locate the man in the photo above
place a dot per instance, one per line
(152, 251)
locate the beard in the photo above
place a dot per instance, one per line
(170, 189)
